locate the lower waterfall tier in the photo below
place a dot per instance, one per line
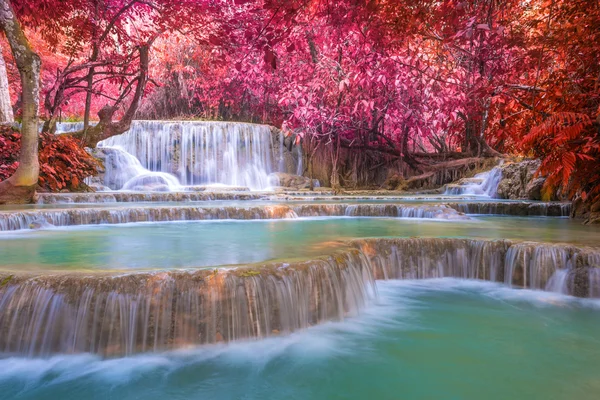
(40, 218)
(125, 314)
(18, 220)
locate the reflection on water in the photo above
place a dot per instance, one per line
(213, 243)
(436, 339)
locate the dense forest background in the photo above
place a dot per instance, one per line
(415, 82)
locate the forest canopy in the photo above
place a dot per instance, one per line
(415, 81)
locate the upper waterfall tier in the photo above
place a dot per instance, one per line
(153, 155)
(200, 153)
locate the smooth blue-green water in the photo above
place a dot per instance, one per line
(214, 243)
(435, 339)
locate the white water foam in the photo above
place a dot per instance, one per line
(487, 185)
(200, 153)
(172, 154)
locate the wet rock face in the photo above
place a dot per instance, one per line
(97, 182)
(586, 210)
(519, 181)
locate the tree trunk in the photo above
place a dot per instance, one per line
(106, 127)
(6, 111)
(335, 156)
(20, 187)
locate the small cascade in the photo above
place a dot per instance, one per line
(93, 216)
(17, 220)
(137, 197)
(67, 127)
(201, 153)
(560, 282)
(379, 210)
(516, 208)
(533, 265)
(151, 312)
(553, 267)
(483, 184)
(126, 314)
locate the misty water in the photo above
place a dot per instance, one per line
(444, 339)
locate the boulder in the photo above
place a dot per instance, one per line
(394, 182)
(99, 187)
(519, 181)
(533, 190)
(290, 181)
(40, 223)
(586, 210)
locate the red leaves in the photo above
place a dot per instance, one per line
(63, 164)
(215, 40)
(270, 58)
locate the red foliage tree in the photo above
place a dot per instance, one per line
(63, 163)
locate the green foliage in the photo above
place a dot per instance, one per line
(247, 273)
(5, 281)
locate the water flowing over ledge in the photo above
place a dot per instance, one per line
(19, 220)
(140, 197)
(516, 208)
(172, 155)
(483, 184)
(194, 153)
(125, 314)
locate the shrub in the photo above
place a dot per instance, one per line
(63, 163)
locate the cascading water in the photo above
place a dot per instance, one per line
(165, 155)
(92, 216)
(151, 312)
(125, 172)
(201, 153)
(65, 127)
(483, 184)
(559, 282)
(125, 314)
(520, 208)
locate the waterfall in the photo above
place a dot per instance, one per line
(483, 184)
(125, 314)
(137, 197)
(201, 153)
(66, 127)
(559, 282)
(151, 312)
(518, 208)
(124, 171)
(194, 153)
(19, 220)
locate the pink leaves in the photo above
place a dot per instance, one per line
(270, 58)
